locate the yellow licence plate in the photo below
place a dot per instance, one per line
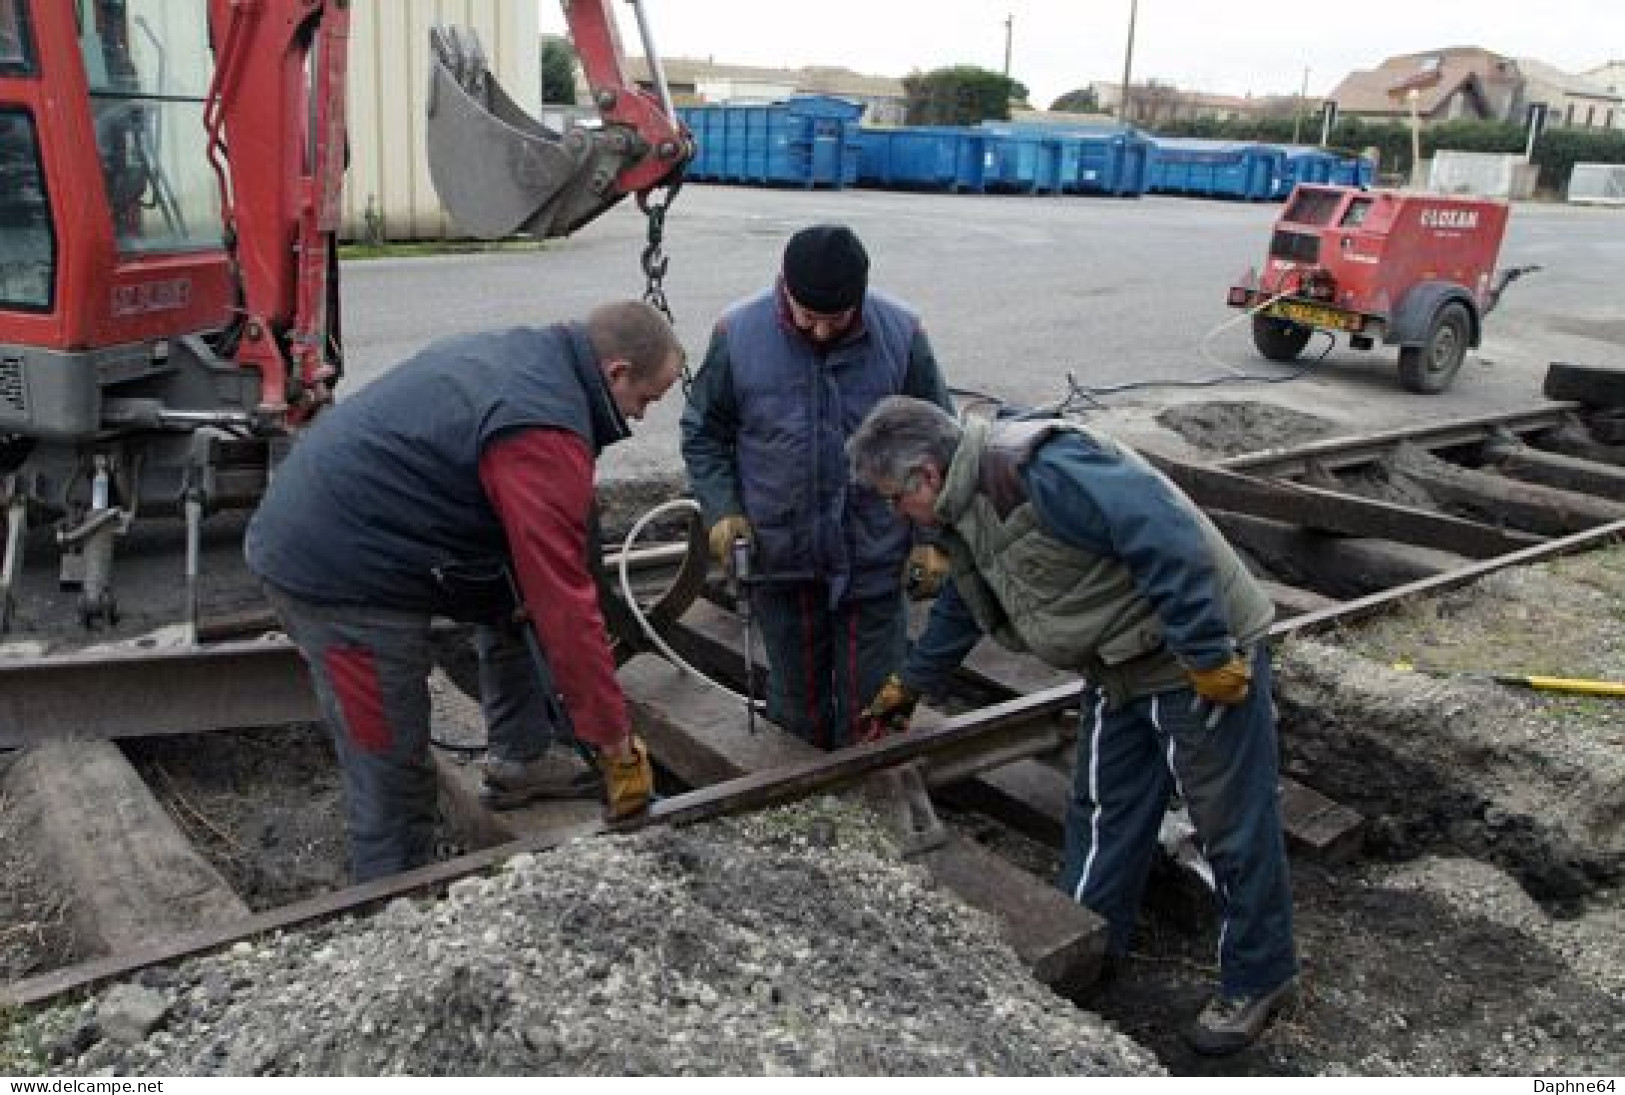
(1313, 315)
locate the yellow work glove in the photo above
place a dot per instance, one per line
(1226, 684)
(889, 711)
(722, 537)
(629, 782)
(927, 568)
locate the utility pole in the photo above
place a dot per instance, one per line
(1128, 63)
(1009, 29)
(1537, 125)
(1413, 97)
(1297, 113)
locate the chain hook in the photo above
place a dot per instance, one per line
(655, 260)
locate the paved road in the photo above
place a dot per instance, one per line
(1017, 291)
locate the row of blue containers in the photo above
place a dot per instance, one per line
(1004, 158)
(814, 140)
(1247, 170)
(804, 141)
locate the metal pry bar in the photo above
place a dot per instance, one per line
(739, 565)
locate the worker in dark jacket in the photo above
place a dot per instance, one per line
(789, 374)
(418, 496)
(1071, 547)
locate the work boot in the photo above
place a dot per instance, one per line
(1228, 1025)
(555, 774)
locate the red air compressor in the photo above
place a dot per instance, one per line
(1410, 269)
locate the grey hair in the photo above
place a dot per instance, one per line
(899, 435)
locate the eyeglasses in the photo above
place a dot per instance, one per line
(911, 483)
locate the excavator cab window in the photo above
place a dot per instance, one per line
(27, 240)
(148, 66)
(16, 55)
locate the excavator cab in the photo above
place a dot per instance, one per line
(115, 282)
(168, 292)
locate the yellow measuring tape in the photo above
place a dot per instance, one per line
(1578, 686)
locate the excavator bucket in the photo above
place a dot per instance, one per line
(497, 170)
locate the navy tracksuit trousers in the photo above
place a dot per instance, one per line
(1131, 759)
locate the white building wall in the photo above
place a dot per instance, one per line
(729, 89)
(1597, 184)
(1484, 174)
(1581, 110)
(388, 86)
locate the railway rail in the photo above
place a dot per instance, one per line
(1500, 491)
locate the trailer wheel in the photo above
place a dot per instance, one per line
(1279, 339)
(1430, 367)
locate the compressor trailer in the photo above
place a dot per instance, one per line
(1411, 270)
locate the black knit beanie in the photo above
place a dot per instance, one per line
(826, 268)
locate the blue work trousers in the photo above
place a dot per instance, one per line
(1131, 758)
(824, 664)
(370, 668)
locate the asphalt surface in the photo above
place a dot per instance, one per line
(1016, 292)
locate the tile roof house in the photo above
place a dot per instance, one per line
(1459, 82)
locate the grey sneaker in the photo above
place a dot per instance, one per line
(1229, 1025)
(555, 774)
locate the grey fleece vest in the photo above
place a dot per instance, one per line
(1072, 608)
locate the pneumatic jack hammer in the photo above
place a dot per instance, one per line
(739, 579)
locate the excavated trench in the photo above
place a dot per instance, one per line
(1443, 770)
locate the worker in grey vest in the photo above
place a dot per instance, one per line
(1069, 546)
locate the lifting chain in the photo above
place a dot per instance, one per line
(655, 259)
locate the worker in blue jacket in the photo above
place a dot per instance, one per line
(789, 374)
(1069, 546)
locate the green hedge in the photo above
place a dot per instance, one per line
(1555, 153)
(960, 95)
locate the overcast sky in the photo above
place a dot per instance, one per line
(1228, 48)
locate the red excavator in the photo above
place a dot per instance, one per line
(170, 176)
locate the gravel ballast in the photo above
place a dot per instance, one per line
(790, 942)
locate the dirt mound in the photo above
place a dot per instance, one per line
(1230, 429)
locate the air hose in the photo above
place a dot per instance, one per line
(625, 571)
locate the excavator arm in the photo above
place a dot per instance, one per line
(275, 122)
(500, 172)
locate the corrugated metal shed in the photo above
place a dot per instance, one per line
(389, 79)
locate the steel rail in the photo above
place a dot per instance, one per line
(1375, 603)
(128, 690)
(138, 692)
(1346, 452)
(749, 792)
